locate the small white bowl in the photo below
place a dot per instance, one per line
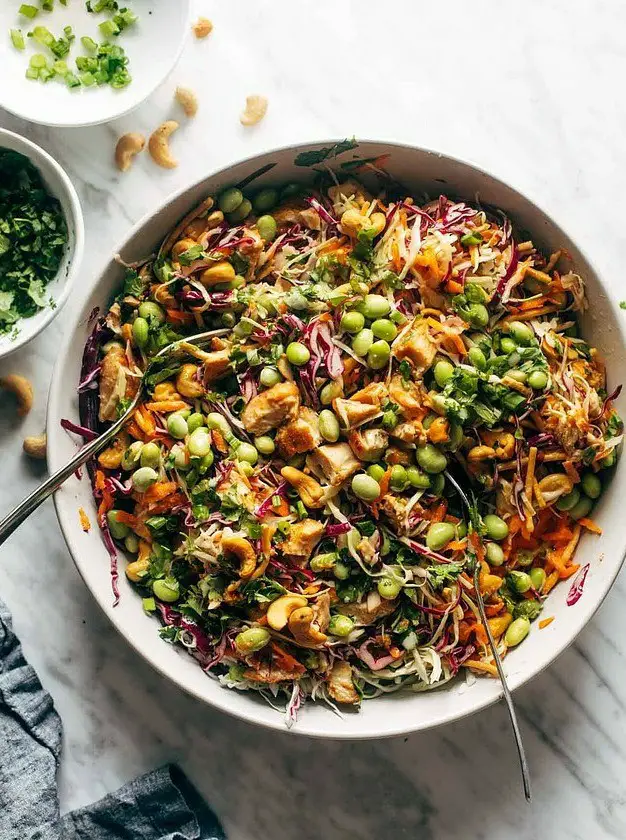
(153, 46)
(60, 186)
(422, 172)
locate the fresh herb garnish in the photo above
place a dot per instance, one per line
(320, 155)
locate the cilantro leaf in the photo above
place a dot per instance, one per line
(320, 155)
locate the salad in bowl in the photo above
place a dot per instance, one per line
(289, 499)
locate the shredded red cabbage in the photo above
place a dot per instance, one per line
(83, 431)
(576, 589)
(337, 528)
(266, 504)
(374, 664)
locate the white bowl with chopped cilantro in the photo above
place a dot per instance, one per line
(75, 63)
(41, 240)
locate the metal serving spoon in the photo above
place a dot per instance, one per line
(14, 519)
(508, 699)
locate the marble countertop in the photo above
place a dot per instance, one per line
(527, 90)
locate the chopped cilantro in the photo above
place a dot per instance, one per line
(443, 573)
(320, 155)
(33, 238)
(622, 304)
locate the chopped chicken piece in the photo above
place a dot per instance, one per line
(362, 615)
(336, 461)
(353, 413)
(271, 408)
(373, 394)
(216, 364)
(307, 217)
(321, 611)
(416, 345)
(395, 455)
(408, 432)
(366, 547)
(368, 445)
(301, 435)
(270, 672)
(343, 195)
(407, 395)
(302, 539)
(114, 382)
(340, 685)
(394, 508)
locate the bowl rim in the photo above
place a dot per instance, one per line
(17, 112)
(35, 153)
(589, 608)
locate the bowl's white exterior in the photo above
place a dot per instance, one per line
(59, 289)
(153, 46)
(420, 170)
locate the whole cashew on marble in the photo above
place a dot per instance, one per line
(35, 447)
(158, 145)
(127, 147)
(23, 390)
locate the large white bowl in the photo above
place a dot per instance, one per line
(421, 171)
(60, 186)
(153, 46)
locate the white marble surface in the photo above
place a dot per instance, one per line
(529, 90)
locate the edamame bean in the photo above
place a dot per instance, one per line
(329, 392)
(352, 322)
(443, 372)
(266, 225)
(398, 317)
(265, 200)
(517, 375)
(341, 571)
(205, 462)
(150, 455)
(143, 478)
(230, 200)
(131, 543)
(461, 530)
(390, 419)
(119, 530)
(199, 443)
(194, 421)
(398, 479)
(247, 469)
(378, 355)
(439, 535)
(494, 554)
(296, 301)
(252, 639)
(228, 319)
(455, 437)
(517, 631)
(140, 332)
(269, 377)
(417, 478)
(290, 191)
(374, 306)
(340, 625)
(520, 332)
(241, 213)
(437, 484)
(521, 581)
(538, 578)
(507, 345)
(237, 282)
(246, 452)
(524, 557)
(496, 527)
(329, 426)
(376, 471)
(431, 459)
(537, 379)
(569, 500)
(297, 354)
(592, 485)
(383, 328)
(478, 316)
(323, 562)
(389, 588)
(215, 420)
(582, 508)
(365, 487)
(131, 456)
(150, 310)
(166, 589)
(177, 426)
(477, 358)
(362, 342)
(264, 444)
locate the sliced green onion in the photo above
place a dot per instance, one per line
(28, 11)
(60, 68)
(17, 39)
(72, 81)
(87, 79)
(32, 73)
(109, 28)
(38, 61)
(89, 44)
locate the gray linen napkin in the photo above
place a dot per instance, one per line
(161, 805)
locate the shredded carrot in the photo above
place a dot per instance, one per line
(545, 622)
(218, 440)
(477, 545)
(178, 317)
(457, 545)
(569, 571)
(550, 583)
(167, 406)
(590, 525)
(487, 667)
(454, 288)
(145, 421)
(159, 491)
(286, 660)
(85, 524)
(134, 431)
(135, 524)
(167, 503)
(144, 551)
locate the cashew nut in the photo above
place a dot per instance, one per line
(304, 631)
(35, 447)
(480, 453)
(186, 382)
(23, 390)
(309, 490)
(158, 145)
(188, 101)
(552, 487)
(111, 458)
(244, 551)
(202, 27)
(256, 107)
(503, 443)
(127, 147)
(280, 610)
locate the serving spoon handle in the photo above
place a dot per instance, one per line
(15, 518)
